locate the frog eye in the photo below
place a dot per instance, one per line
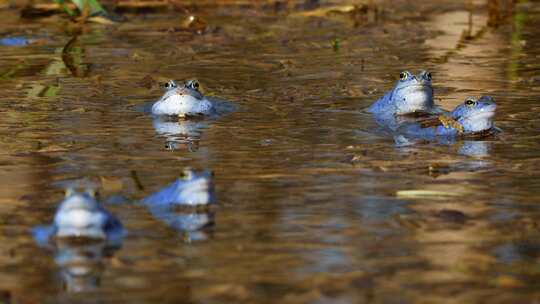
(427, 75)
(91, 192)
(170, 84)
(69, 192)
(193, 84)
(403, 76)
(186, 174)
(470, 102)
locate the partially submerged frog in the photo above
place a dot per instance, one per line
(473, 118)
(192, 189)
(411, 94)
(194, 192)
(80, 215)
(183, 100)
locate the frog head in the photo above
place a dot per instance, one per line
(475, 114)
(413, 93)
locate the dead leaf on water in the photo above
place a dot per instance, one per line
(323, 12)
(239, 292)
(431, 194)
(101, 20)
(507, 281)
(408, 221)
(52, 148)
(194, 24)
(140, 55)
(79, 110)
(111, 184)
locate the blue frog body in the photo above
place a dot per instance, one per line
(472, 118)
(195, 193)
(183, 100)
(411, 94)
(193, 189)
(80, 215)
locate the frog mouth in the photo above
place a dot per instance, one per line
(199, 193)
(200, 186)
(482, 115)
(486, 112)
(419, 87)
(80, 216)
(416, 98)
(186, 93)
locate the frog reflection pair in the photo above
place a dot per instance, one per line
(413, 94)
(84, 233)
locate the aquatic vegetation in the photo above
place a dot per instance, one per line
(336, 44)
(77, 10)
(72, 56)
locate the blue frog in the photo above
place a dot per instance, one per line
(184, 205)
(411, 94)
(183, 100)
(473, 118)
(80, 215)
(192, 189)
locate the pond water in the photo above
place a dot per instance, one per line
(315, 203)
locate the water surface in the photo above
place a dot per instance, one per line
(316, 204)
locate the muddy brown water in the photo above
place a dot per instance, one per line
(316, 205)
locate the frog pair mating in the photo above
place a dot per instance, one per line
(414, 94)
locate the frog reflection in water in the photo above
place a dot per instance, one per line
(180, 134)
(183, 100)
(185, 204)
(81, 235)
(411, 94)
(82, 264)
